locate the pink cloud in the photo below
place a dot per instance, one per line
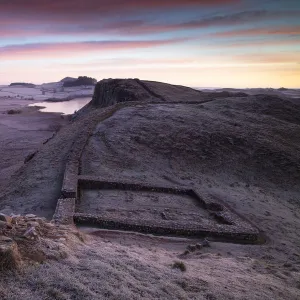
(68, 49)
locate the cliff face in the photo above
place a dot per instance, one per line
(111, 91)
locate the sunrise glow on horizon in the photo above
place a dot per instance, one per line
(199, 43)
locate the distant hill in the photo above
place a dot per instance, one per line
(30, 85)
(68, 79)
(81, 80)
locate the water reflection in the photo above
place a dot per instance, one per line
(65, 107)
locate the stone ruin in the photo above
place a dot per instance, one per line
(221, 222)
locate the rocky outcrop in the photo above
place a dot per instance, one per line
(80, 81)
(23, 84)
(111, 91)
(68, 79)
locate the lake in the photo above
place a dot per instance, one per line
(64, 107)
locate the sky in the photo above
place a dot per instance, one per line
(198, 43)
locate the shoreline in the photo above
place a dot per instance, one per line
(66, 108)
(68, 98)
(23, 132)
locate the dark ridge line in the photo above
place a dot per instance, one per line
(180, 102)
(30, 156)
(50, 138)
(145, 87)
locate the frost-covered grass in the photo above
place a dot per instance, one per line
(44, 92)
(106, 270)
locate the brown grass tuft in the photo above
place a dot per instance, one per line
(179, 265)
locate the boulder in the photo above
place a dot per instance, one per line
(3, 225)
(31, 233)
(9, 254)
(5, 218)
(6, 211)
(192, 248)
(199, 246)
(30, 216)
(206, 243)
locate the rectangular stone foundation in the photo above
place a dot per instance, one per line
(158, 210)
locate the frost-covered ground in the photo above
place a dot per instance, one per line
(47, 91)
(141, 267)
(291, 93)
(242, 150)
(22, 132)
